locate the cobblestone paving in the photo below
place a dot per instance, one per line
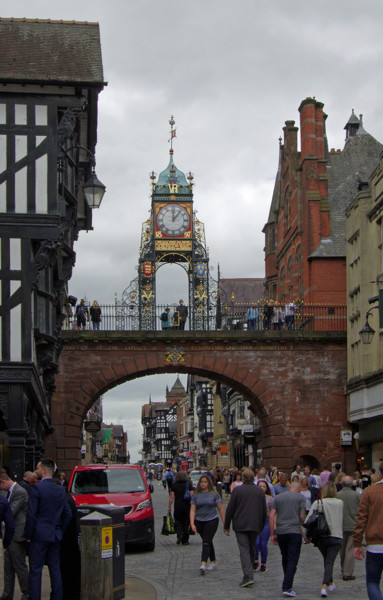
(175, 569)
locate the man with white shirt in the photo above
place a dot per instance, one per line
(14, 558)
(369, 521)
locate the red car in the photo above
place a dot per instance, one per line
(120, 485)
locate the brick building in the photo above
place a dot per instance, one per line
(305, 246)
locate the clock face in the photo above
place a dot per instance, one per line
(173, 220)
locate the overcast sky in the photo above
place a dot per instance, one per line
(231, 72)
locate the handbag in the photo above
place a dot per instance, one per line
(187, 494)
(170, 523)
(316, 524)
(165, 529)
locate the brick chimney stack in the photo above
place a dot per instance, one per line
(314, 176)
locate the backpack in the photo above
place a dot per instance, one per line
(80, 310)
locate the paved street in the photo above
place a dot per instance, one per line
(174, 570)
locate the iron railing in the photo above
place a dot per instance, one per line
(307, 317)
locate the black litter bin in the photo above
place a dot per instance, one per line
(117, 514)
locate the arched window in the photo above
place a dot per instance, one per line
(289, 278)
(299, 270)
(282, 284)
(286, 210)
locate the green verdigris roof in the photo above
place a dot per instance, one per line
(171, 174)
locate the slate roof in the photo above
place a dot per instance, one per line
(118, 431)
(345, 171)
(177, 389)
(35, 50)
(245, 290)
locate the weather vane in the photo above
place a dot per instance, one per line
(172, 131)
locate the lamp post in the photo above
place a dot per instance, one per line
(93, 189)
(367, 333)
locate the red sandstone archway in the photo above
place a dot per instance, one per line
(294, 382)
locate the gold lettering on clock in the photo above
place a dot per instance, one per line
(173, 188)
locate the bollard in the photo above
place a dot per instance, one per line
(96, 557)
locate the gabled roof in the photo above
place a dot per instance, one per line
(345, 171)
(35, 50)
(118, 431)
(277, 190)
(177, 388)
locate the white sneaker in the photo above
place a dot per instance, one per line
(323, 593)
(202, 569)
(211, 567)
(331, 588)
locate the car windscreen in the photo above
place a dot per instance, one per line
(107, 481)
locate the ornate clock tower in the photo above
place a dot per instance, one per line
(172, 234)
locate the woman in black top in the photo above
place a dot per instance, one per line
(182, 487)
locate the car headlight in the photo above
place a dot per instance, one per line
(145, 504)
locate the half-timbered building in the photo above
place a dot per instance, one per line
(50, 77)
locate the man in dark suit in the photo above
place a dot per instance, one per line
(6, 517)
(14, 558)
(48, 516)
(24, 482)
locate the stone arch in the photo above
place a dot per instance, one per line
(294, 385)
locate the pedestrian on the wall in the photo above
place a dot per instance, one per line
(181, 494)
(182, 314)
(247, 510)
(205, 510)
(48, 516)
(82, 314)
(95, 315)
(166, 319)
(368, 522)
(252, 317)
(329, 545)
(14, 558)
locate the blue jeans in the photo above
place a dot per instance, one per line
(374, 568)
(261, 544)
(290, 546)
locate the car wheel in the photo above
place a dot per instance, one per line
(150, 547)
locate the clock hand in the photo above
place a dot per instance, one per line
(175, 215)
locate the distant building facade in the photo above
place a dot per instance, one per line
(364, 231)
(305, 247)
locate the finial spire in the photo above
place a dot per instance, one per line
(172, 133)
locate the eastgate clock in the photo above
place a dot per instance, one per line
(173, 220)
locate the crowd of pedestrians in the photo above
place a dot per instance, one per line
(271, 314)
(40, 521)
(267, 503)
